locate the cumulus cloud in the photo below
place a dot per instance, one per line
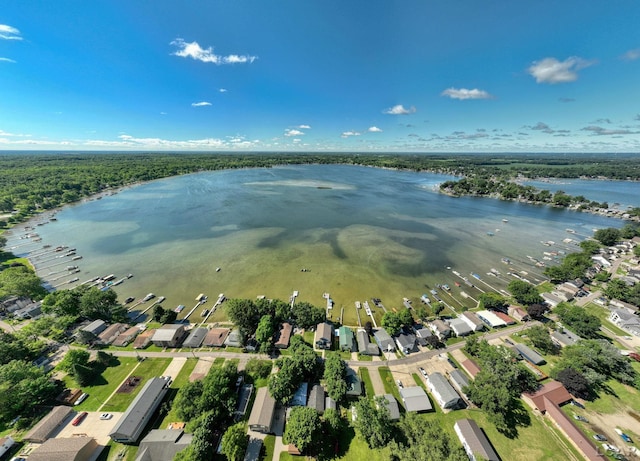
(550, 70)
(374, 129)
(200, 104)
(9, 33)
(289, 132)
(399, 109)
(195, 51)
(631, 55)
(541, 126)
(7, 60)
(347, 134)
(463, 93)
(600, 131)
(304, 127)
(222, 90)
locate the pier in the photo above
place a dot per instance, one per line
(220, 300)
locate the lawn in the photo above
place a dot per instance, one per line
(389, 384)
(181, 380)
(268, 445)
(366, 380)
(149, 368)
(603, 314)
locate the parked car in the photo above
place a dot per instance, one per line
(623, 436)
(635, 356)
(600, 437)
(81, 399)
(608, 447)
(580, 418)
(577, 404)
(399, 383)
(105, 416)
(78, 419)
(423, 371)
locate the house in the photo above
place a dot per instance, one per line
(443, 391)
(299, 399)
(599, 259)
(126, 337)
(14, 303)
(323, 336)
(551, 299)
(568, 287)
(283, 337)
(169, 335)
(50, 424)
(422, 334)
(346, 339)
(490, 319)
(623, 305)
(365, 347)
(459, 380)
(384, 340)
(563, 337)
(162, 444)
(574, 435)
(30, 311)
(626, 320)
(440, 329)
(553, 392)
(68, 449)
(5, 444)
(475, 442)
(140, 411)
(406, 342)
(110, 333)
(390, 402)
(143, 339)
(518, 313)
(472, 320)
(264, 407)
(96, 327)
(529, 354)
(196, 337)
(316, 398)
(216, 337)
(354, 385)
(460, 327)
(470, 367)
(415, 399)
(505, 318)
(234, 339)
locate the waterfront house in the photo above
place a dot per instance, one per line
(283, 336)
(143, 339)
(384, 340)
(323, 336)
(365, 347)
(30, 311)
(111, 333)
(346, 339)
(406, 342)
(460, 327)
(96, 327)
(126, 337)
(196, 337)
(234, 339)
(169, 335)
(474, 441)
(216, 337)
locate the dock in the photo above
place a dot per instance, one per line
(220, 300)
(367, 309)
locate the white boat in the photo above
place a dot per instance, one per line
(148, 297)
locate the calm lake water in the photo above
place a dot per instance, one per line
(359, 232)
(620, 194)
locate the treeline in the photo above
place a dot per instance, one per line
(30, 183)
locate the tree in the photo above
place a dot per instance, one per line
(391, 322)
(234, 442)
(264, 332)
(426, 441)
(244, 314)
(157, 312)
(83, 374)
(21, 281)
(579, 320)
(368, 327)
(540, 338)
(575, 382)
(72, 358)
(437, 308)
(335, 372)
(258, 369)
(405, 317)
(306, 315)
(303, 428)
(608, 236)
(524, 292)
(536, 311)
(62, 302)
(590, 246)
(493, 300)
(433, 341)
(372, 422)
(86, 337)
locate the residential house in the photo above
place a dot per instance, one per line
(347, 342)
(529, 354)
(626, 320)
(491, 319)
(443, 391)
(472, 320)
(406, 342)
(323, 336)
(440, 329)
(196, 337)
(563, 337)
(5, 444)
(111, 333)
(50, 424)
(283, 336)
(460, 327)
(470, 367)
(264, 407)
(162, 444)
(415, 399)
(317, 398)
(518, 313)
(30, 311)
(505, 318)
(459, 380)
(299, 398)
(143, 339)
(390, 402)
(365, 347)
(71, 449)
(216, 337)
(422, 334)
(96, 327)
(474, 440)
(126, 337)
(234, 339)
(553, 391)
(551, 299)
(354, 385)
(169, 335)
(384, 340)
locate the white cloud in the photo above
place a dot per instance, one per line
(9, 33)
(222, 90)
(195, 51)
(163, 113)
(305, 127)
(374, 129)
(200, 104)
(399, 109)
(463, 93)
(348, 134)
(289, 132)
(631, 55)
(550, 70)
(7, 60)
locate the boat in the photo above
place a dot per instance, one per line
(473, 274)
(200, 298)
(76, 258)
(457, 283)
(506, 260)
(495, 271)
(129, 276)
(148, 297)
(160, 299)
(129, 299)
(571, 231)
(358, 305)
(505, 220)
(446, 287)
(72, 268)
(217, 269)
(179, 309)
(205, 312)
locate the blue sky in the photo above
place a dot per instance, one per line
(335, 75)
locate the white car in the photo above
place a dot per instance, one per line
(105, 416)
(81, 399)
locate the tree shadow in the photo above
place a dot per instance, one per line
(516, 416)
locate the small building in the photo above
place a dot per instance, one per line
(244, 398)
(283, 337)
(216, 337)
(162, 444)
(529, 354)
(390, 402)
(490, 319)
(316, 398)
(365, 347)
(406, 342)
(518, 313)
(264, 407)
(460, 327)
(415, 399)
(143, 339)
(475, 442)
(68, 449)
(196, 337)
(563, 337)
(459, 380)
(323, 336)
(575, 436)
(50, 424)
(139, 413)
(553, 391)
(329, 403)
(354, 385)
(110, 333)
(126, 337)
(422, 334)
(346, 339)
(551, 299)
(30, 311)
(5, 444)
(472, 320)
(169, 335)
(440, 329)
(626, 320)
(299, 399)
(234, 339)
(444, 393)
(470, 367)
(505, 318)
(96, 327)
(384, 340)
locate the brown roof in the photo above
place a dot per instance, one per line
(575, 435)
(111, 332)
(47, 425)
(126, 336)
(65, 449)
(471, 367)
(143, 339)
(502, 316)
(216, 337)
(553, 391)
(283, 338)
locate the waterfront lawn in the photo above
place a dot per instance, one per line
(149, 368)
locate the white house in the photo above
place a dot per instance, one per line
(626, 320)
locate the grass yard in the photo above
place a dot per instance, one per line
(366, 380)
(268, 445)
(181, 380)
(149, 368)
(118, 452)
(603, 314)
(389, 384)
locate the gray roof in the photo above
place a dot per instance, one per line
(65, 449)
(364, 345)
(460, 327)
(473, 440)
(458, 379)
(316, 398)
(565, 337)
(162, 444)
(130, 426)
(262, 412)
(96, 326)
(234, 339)
(47, 425)
(168, 332)
(329, 403)
(415, 399)
(384, 340)
(195, 338)
(529, 354)
(407, 341)
(392, 406)
(443, 391)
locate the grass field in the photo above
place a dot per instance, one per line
(390, 386)
(181, 380)
(149, 368)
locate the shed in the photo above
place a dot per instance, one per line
(472, 320)
(162, 444)
(139, 413)
(216, 337)
(346, 339)
(48, 425)
(316, 398)
(126, 337)
(169, 335)
(391, 404)
(65, 449)
(444, 393)
(470, 367)
(415, 399)
(460, 327)
(384, 340)
(196, 337)
(323, 336)
(529, 354)
(261, 416)
(474, 440)
(329, 403)
(366, 347)
(284, 335)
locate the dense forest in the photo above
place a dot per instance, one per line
(33, 182)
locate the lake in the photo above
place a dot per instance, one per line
(354, 232)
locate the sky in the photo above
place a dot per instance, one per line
(321, 75)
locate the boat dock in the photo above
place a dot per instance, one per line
(358, 307)
(220, 300)
(367, 309)
(293, 297)
(201, 298)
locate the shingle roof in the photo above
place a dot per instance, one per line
(473, 439)
(553, 391)
(216, 337)
(64, 449)
(415, 399)
(195, 338)
(42, 431)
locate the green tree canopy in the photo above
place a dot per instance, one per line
(608, 236)
(524, 292)
(21, 281)
(304, 429)
(391, 322)
(372, 422)
(235, 441)
(335, 372)
(493, 300)
(578, 320)
(426, 441)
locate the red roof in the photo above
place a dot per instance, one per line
(575, 435)
(554, 392)
(508, 320)
(472, 367)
